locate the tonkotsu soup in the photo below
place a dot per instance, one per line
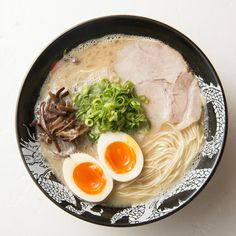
(120, 119)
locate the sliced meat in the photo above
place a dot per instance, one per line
(145, 60)
(194, 106)
(180, 96)
(158, 110)
(179, 103)
(160, 72)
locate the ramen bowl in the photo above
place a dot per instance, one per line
(215, 127)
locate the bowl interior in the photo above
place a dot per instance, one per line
(215, 132)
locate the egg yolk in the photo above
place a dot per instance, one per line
(120, 157)
(89, 177)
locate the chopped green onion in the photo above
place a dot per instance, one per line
(144, 99)
(110, 106)
(89, 122)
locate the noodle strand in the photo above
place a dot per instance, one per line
(168, 154)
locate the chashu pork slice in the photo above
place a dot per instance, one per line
(180, 103)
(148, 60)
(180, 95)
(193, 109)
(158, 110)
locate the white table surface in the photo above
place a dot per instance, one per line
(26, 28)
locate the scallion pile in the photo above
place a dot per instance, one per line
(110, 106)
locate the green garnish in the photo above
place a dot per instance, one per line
(110, 106)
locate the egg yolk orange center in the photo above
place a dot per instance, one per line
(89, 177)
(120, 157)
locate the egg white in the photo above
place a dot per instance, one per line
(70, 164)
(110, 137)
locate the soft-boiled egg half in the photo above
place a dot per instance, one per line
(120, 155)
(86, 177)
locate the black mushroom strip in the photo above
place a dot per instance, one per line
(56, 120)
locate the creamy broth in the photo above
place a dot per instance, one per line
(93, 61)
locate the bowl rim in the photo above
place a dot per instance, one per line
(199, 51)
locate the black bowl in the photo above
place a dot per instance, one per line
(215, 132)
